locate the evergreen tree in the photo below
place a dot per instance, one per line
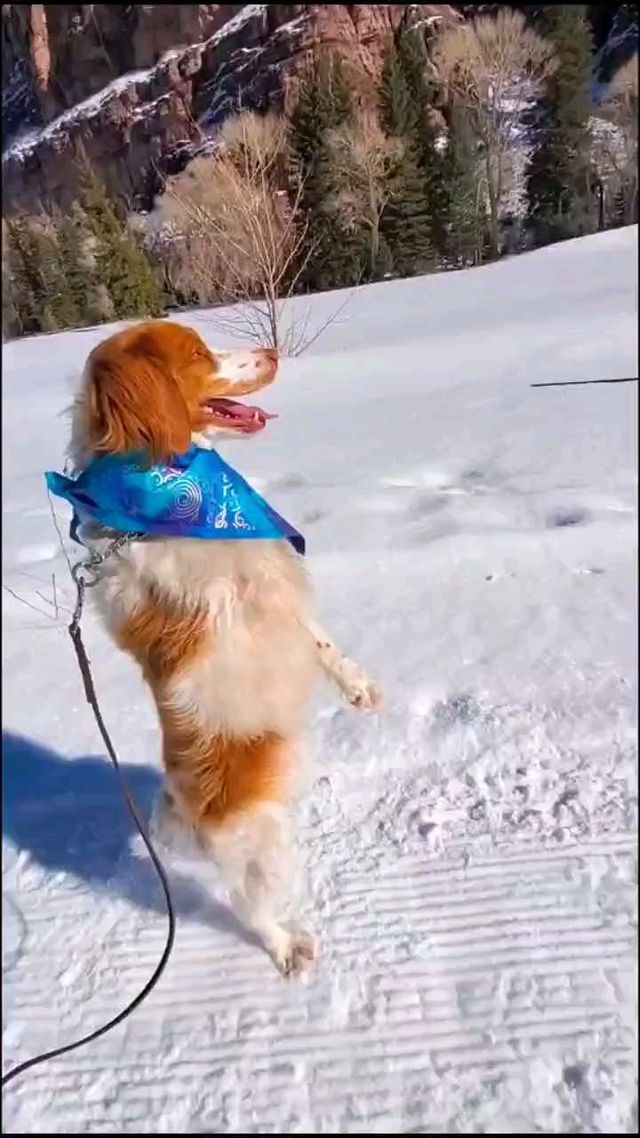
(412, 57)
(560, 181)
(11, 322)
(324, 101)
(27, 280)
(405, 224)
(58, 306)
(324, 104)
(51, 281)
(398, 111)
(121, 263)
(466, 238)
(79, 273)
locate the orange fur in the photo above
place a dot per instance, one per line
(163, 638)
(144, 391)
(213, 777)
(146, 386)
(149, 414)
(220, 629)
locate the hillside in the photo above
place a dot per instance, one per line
(471, 848)
(145, 85)
(141, 87)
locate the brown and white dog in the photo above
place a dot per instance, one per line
(223, 630)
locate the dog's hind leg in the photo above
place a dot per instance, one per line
(170, 828)
(254, 853)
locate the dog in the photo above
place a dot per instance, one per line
(223, 630)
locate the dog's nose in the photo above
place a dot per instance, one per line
(271, 354)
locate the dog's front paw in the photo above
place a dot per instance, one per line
(364, 694)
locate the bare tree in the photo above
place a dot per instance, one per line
(228, 231)
(492, 67)
(616, 139)
(363, 159)
(256, 144)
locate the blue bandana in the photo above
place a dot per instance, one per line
(196, 495)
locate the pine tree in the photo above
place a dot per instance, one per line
(560, 181)
(324, 104)
(398, 111)
(412, 57)
(27, 281)
(49, 281)
(466, 239)
(71, 237)
(11, 323)
(405, 224)
(122, 265)
(58, 305)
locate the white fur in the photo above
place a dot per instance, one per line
(258, 675)
(239, 367)
(256, 857)
(354, 684)
(256, 678)
(265, 651)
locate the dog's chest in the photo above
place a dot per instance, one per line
(260, 663)
(257, 665)
(255, 594)
(240, 582)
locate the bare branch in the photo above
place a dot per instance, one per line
(227, 229)
(26, 603)
(303, 340)
(363, 159)
(615, 138)
(231, 230)
(57, 529)
(491, 67)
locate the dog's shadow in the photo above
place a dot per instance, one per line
(69, 815)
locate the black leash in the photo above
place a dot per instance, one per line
(583, 382)
(94, 561)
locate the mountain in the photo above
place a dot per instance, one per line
(142, 87)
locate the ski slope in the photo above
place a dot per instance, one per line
(470, 849)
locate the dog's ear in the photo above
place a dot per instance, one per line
(134, 403)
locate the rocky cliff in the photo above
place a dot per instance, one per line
(141, 87)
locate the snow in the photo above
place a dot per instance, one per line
(249, 12)
(82, 111)
(470, 849)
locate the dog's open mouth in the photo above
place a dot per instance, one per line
(236, 416)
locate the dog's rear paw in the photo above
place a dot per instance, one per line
(296, 958)
(364, 695)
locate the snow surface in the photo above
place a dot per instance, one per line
(470, 848)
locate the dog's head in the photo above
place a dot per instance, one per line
(157, 387)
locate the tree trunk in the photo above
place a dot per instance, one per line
(374, 242)
(374, 246)
(494, 232)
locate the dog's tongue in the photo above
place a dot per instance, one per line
(247, 417)
(246, 412)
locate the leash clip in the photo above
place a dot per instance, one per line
(86, 573)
